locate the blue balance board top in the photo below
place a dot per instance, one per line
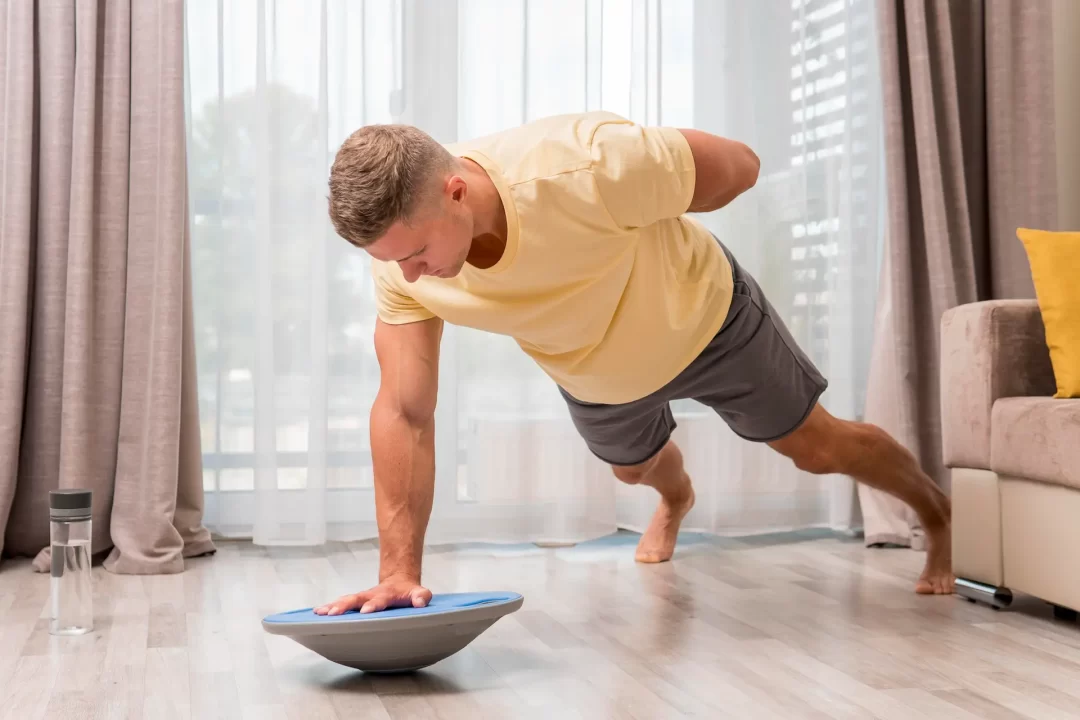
(444, 603)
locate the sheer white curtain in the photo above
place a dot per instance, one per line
(285, 311)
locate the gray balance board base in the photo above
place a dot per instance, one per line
(398, 639)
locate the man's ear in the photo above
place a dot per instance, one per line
(458, 188)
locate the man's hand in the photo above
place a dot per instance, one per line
(390, 593)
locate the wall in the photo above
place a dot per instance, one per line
(1067, 110)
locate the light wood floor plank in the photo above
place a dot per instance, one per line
(977, 705)
(29, 690)
(167, 689)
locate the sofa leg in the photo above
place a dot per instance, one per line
(974, 591)
(1064, 613)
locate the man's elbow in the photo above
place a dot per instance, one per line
(750, 168)
(415, 411)
(725, 169)
(742, 174)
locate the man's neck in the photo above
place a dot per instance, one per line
(489, 218)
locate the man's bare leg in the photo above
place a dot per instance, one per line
(663, 472)
(825, 444)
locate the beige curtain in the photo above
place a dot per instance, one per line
(969, 133)
(97, 374)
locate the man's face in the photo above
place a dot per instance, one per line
(436, 243)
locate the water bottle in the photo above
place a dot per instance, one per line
(69, 527)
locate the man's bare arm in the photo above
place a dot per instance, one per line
(725, 169)
(403, 458)
(403, 442)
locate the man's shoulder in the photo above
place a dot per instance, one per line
(540, 148)
(579, 125)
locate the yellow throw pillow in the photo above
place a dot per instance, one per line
(1055, 269)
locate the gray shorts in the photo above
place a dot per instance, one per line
(752, 374)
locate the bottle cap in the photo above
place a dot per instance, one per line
(70, 504)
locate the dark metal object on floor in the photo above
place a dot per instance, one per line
(974, 591)
(1064, 613)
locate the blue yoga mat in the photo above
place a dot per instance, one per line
(445, 603)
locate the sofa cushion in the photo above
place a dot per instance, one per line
(1037, 438)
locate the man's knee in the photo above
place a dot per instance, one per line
(841, 449)
(634, 474)
(816, 458)
(826, 445)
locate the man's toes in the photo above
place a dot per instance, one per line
(935, 585)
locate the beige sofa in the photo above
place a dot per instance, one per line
(1014, 455)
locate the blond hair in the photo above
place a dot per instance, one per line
(383, 174)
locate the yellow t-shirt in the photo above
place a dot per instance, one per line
(604, 282)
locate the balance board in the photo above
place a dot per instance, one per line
(397, 639)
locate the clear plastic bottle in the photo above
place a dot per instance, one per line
(72, 609)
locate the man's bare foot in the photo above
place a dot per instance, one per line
(937, 577)
(658, 543)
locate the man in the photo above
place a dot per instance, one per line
(571, 235)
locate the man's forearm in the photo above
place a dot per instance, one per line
(403, 459)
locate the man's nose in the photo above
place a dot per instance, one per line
(413, 271)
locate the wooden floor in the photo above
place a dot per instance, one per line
(805, 626)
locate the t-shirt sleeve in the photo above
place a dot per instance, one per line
(394, 306)
(644, 173)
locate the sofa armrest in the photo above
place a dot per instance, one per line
(989, 350)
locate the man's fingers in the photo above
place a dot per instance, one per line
(417, 597)
(376, 600)
(379, 602)
(342, 604)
